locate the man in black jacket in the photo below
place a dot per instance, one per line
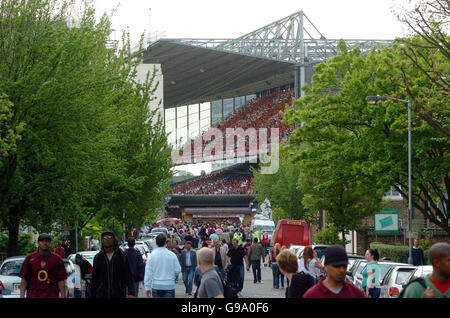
(137, 265)
(111, 276)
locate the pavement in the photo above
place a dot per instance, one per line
(251, 290)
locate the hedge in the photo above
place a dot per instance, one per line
(396, 253)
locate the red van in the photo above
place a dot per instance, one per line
(291, 232)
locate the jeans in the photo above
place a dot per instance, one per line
(221, 272)
(159, 293)
(188, 278)
(277, 276)
(374, 292)
(241, 278)
(256, 268)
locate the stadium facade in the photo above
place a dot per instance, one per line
(213, 82)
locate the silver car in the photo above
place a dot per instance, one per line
(10, 280)
(355, 269)
(9, 277)
(384, 268)
(391, 286)
(88, 255)
(420, 271)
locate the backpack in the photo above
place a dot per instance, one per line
(419, 280)
(228, 290)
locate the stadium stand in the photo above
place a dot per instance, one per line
(262, 112)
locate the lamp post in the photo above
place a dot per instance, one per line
(373, 100)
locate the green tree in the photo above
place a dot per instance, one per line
(427, 50)
(281, 188)
(85, 118)
(358, 151)
(8, 135)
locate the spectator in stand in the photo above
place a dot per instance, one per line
(334, 285)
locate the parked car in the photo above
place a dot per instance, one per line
(384, 268)
(10, 280)
(73, 281)
(150, 242)
(391, 286)
(88, 255)
(351, 259)
(357, 267)
(9, 277)
(160, 230)
(142, 248)
(296, 249)
(420, 271)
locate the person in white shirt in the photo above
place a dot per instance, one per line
(160, 270)
(309, 262)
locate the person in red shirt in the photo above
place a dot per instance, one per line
(334, 285)
(43, 273)
(59, 250)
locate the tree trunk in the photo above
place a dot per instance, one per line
(13, 238)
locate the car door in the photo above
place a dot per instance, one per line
(385, 284)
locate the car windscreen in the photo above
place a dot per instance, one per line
(402, 275)
(320, 251)
(360, 268)
(265, 228)
(11, 268)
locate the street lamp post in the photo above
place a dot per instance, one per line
(373, 100)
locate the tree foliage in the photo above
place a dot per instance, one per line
(427, 50)
(8, 135)
(357, 150)
(90, 146)
(281, 188)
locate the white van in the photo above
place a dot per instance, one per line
(266, 225)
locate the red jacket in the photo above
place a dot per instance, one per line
(320, 291)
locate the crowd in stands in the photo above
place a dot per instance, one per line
(262, 112)
(220, 183)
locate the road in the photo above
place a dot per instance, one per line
(260, 290)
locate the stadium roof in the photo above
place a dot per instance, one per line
(194, 74)
(201, 70)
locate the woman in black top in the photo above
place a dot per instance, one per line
(299, 283)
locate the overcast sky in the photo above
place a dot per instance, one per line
(348, 19)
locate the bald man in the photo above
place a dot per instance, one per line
(438, 283)
(211, 283)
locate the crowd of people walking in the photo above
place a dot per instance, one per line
(212, 268)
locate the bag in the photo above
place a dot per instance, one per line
(419, 280)
(228, 290)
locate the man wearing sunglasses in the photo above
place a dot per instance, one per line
(111, 276)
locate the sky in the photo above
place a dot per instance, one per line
(335, 19)
(347, 19)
